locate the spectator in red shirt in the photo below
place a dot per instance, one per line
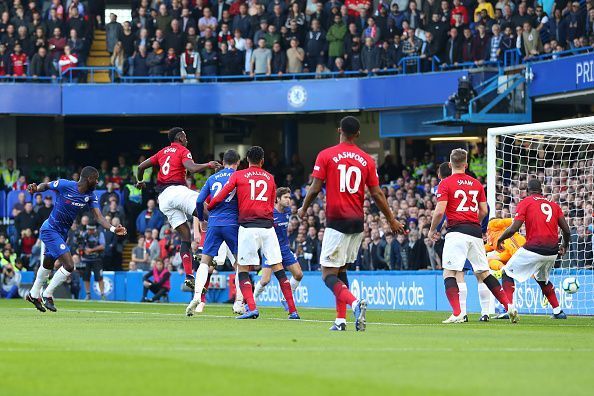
(355, 7)
(19, 62)
(115, 179)
(459, 9)
(67, 60)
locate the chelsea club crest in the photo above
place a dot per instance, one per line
(297, 96)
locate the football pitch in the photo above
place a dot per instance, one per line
(113, 349)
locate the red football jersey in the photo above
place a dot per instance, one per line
(463, 194)
(171, 160)
(19, 63)
(346, 169)
(256, 193)
(541, 218)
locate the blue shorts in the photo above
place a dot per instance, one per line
(55, 245)
(216, 235)
(467, 266)
(288, 258)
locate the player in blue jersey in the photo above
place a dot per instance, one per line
(222, 226)
(484, 293)
(282, 212)
(71, 197)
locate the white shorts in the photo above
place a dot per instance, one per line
(178, 203)
(224, 253)
(459, 247)
(338, 248)
(524, 263)
(250, 240)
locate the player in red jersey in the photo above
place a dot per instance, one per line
(462, 199)
(346, 169)
(256, 194)
(537, 257)
(176, 200)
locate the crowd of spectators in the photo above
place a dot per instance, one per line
(43, 38)
(410, 189)
(275, 37)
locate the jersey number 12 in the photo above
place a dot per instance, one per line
(257, 184)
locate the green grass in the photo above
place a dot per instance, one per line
(113, 349)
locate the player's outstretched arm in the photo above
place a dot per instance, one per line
(119, 230)
(140, 172)
(225, 191)
(193, 167)
(380, 200)
(312, 193)
(35, 188)
(204, 193)
(566, 234)
(509, 232)
(436, 219)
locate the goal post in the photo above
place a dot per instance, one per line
(561, 155)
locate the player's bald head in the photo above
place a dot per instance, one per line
(534, 186)
(88, 171)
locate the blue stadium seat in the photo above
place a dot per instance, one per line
(12, 198)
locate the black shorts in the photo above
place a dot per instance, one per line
(96, 266)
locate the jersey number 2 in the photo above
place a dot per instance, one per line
(347, 182)
(464, 199)
(257, 184)
(217, 187)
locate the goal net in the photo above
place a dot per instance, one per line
(561, 155)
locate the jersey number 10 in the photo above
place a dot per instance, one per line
(350, 178)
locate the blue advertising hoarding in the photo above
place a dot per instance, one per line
(414, 291)
(574, 73)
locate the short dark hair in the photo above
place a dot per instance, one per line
(282, 191)
(534, 185)
(173, 132)
(444, 170)
(255, 154)
(458, 157)
(231, 157)
(88, 171)
(349, 125)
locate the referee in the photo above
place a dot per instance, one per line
(93, 247)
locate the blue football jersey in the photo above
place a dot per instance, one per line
(69, 202)
(226, 212)
(281, 222)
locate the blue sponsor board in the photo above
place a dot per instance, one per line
(569, 74)
(381, 291)
(415, 291)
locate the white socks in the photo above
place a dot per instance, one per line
(557, 310)
(59, 278)
(201, 278)
(463, 292)
(258, 289)
(484, 298)
(294, 284)
(42, 275)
